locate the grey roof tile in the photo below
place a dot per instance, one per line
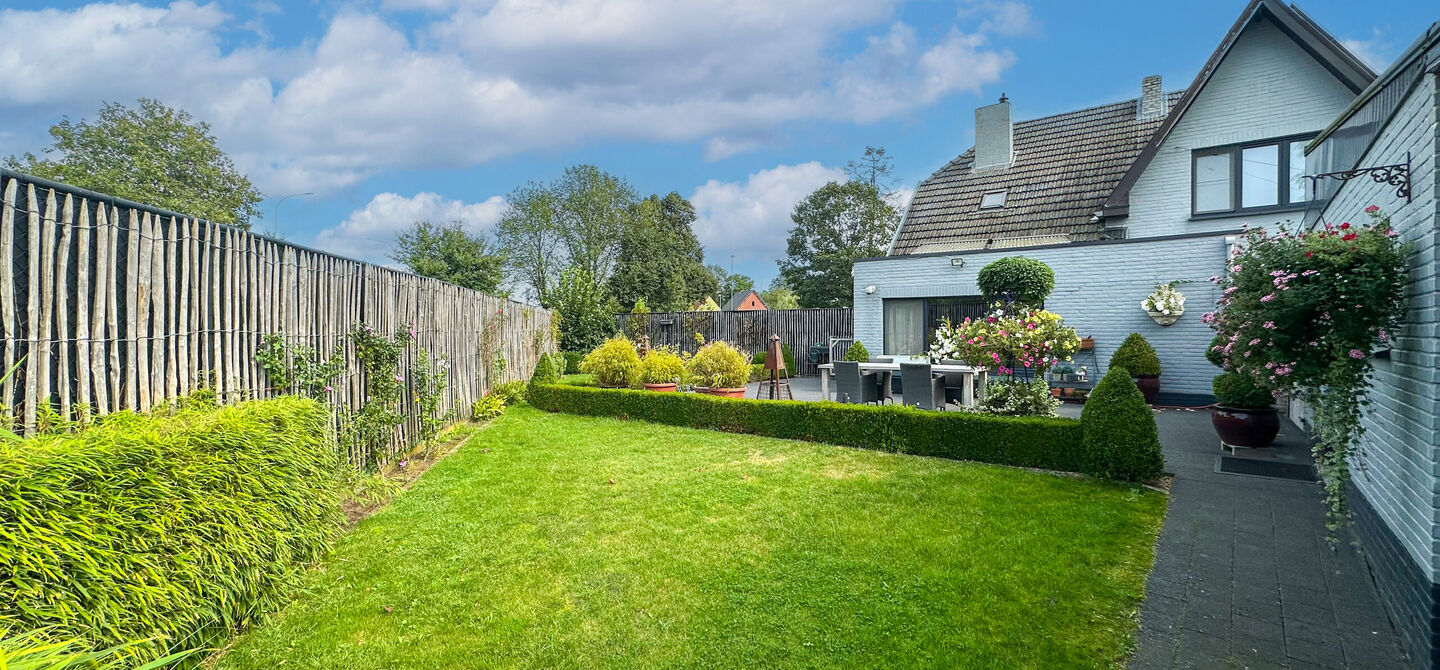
(1065, 167)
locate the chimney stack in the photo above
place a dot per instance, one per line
(1153, 102)
(994, 136)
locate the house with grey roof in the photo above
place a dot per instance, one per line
(1120, 197)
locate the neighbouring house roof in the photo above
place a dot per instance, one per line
(1310, 37)
(1065, 167)
(739, 298)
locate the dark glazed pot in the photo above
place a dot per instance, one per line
(1249, 428)
(1149, 387)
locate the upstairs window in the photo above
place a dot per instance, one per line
(992, 200)
(1254, 177)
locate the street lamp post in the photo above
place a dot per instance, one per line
(277, 209)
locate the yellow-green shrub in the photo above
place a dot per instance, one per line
(661, 366)
(719, 365)
(176, 527)
(613, 363)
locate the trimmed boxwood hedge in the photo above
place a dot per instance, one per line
(172, 527)
(1037, 442)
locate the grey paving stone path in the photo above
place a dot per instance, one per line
(1244, 576)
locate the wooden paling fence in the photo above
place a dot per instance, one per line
(114, 305)
(749, 331)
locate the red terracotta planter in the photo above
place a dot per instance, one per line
(725, 392)
(662, 388)
(1249, 428)
(1149, 387)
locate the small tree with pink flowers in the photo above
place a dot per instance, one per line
(1300, 313)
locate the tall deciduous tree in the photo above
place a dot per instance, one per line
(450, 254)
(594, 207)
(834, 226)
(660, 259)
(154, 155)
(530, 237)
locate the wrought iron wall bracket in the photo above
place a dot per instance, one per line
(1397, 175)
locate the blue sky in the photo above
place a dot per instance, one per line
(393, 110)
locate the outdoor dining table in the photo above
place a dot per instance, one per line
(968, 376)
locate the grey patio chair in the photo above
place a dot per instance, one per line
(852, 386)
(922, 388)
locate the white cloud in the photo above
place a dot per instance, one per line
(751, 219)
(1005, 18)
(369, 232)
(1374, 52)
(487, 79)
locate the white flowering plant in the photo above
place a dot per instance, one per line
(1166, 299)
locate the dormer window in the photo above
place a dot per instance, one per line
(992, 200)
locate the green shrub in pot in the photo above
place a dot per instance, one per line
(1237, 391)
(857, 352)
(613, 363)
(1137, 356)
(661, 366)
(719, 365)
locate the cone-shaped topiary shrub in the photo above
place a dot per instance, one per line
(1136, 356)
(1120, 435)
(548, 369)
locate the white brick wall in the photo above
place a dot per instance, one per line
(1098, 289)
(1266, 87)
(1399, 471)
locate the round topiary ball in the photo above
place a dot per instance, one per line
(1238, 391)
(1022, 280)
(857, 352)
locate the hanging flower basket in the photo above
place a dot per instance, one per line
(1165, 305)
(1163, 318)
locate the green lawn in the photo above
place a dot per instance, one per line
(573, 542)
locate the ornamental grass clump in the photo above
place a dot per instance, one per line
(175, 528)
(1120, 432)
(1300, 313)
(614, 363)
(719, 365)
(662, 366)
(1004, 341)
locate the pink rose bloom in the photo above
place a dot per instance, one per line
(1268, 298)
(1357, 354)
(328, 389)
(1371, 209)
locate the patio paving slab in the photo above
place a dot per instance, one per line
(1244, 576)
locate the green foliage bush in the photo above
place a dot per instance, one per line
(1025, 280)
(572, 362)
(1236, 390)
(1121, 440)
(661, 366)
(486, 408)
(179, 527)
(1018, 398)
(1039, 442)
(857, 352)
(719, 365)
(1136, 356)
(509, 393)
(613, 363)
